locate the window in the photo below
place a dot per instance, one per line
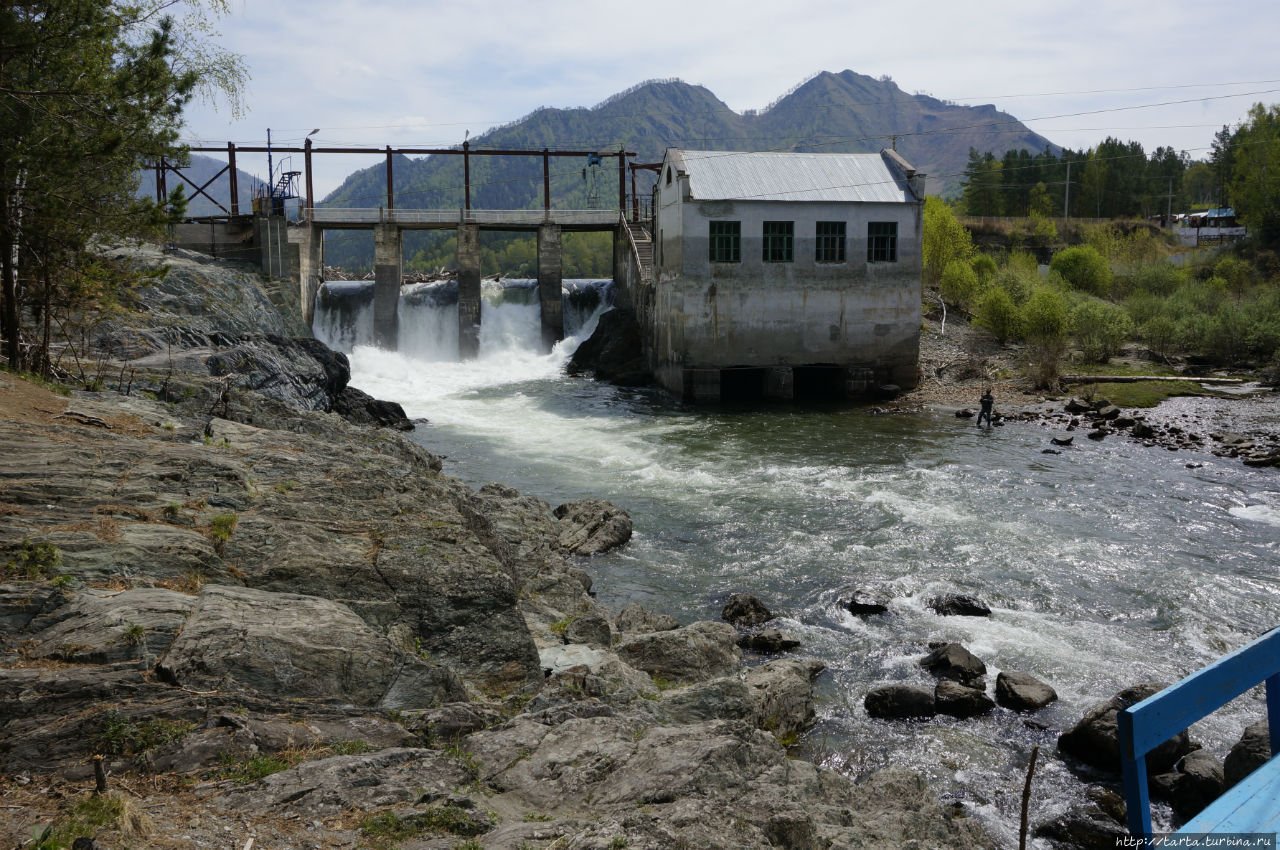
(829, 245)
(668, 175)
(779, 237)
(725, 241)
(882, 242)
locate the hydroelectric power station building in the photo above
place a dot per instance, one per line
(784, 275)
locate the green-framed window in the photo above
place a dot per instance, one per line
(724, 241)
(829, 242)
(778, 244)
(882, 242)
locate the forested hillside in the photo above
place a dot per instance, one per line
(845, 112)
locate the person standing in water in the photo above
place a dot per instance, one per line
(988, 401)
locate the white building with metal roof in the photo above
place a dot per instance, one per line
(784, 275)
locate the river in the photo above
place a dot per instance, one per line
(1109, 564)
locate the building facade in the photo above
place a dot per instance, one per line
(784, 275)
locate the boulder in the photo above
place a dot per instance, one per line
(1093, 740)
(360, 408)
(866, 602)
(768, 640)
(965, 413)
(782, 695)
(744, 610)
(957, 700)
(1087, 826)
(591, 628)
(694, 653)
(958, 605)
(592, 526)
(1075, 405)
(640, 620)
(1098, 434)
(1109, 412)
(1249, 753)
(1062, 441)
(900, 702)
(613, 352)
(953, 661)
(1142, 430)
(1196, 781)
(1023, 692)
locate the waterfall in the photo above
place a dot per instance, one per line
(510, 317)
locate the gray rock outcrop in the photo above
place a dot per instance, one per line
(1249, 753)
(592, 526)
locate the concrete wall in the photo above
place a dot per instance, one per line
(231, 239)
(864, 317)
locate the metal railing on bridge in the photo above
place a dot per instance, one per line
(527, 218)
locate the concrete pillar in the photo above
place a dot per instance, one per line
(468, 291)
(310, 271)
(702, 385)
(387, 274)
(623, 268)
(550, 280)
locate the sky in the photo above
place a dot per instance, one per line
(428, 72)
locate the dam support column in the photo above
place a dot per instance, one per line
(468, 291)
(550, 284)
(387, 274)
(624, 270)
(310, 272)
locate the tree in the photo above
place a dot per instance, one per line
(90, 90)
(1255, 174)
(944, 239)
(982, 186)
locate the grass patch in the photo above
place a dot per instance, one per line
(221, 527)
(34, 560)
(120, 736)
(92, 816)
(252, 768)
(1144, 393)
(386, 828)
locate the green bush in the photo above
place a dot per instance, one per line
(1154, 278)
(1238, 274)
(1160, 333)
(1100, 329)
(996, 312)
(983, 266)
(1018, 283)
(960, 285)
(1084, 268)
(1045, 322)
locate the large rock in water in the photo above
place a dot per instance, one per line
(900, 702)
(613, 351)
(744, 611)
(1094, 740)
(1250, 752)
(592, 526)
(953, 661)
(1023, 692)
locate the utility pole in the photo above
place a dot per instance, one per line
(1066, 196)
(1168, 207)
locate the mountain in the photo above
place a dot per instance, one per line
(198, 172)
(845, 112)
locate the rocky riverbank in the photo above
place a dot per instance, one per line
(259, 620)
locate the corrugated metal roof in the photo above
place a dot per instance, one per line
(841, 177)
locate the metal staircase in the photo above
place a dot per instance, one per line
(642, 249)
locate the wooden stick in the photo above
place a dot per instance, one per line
(1026, 798)
(99, 775)
(1133, 379)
